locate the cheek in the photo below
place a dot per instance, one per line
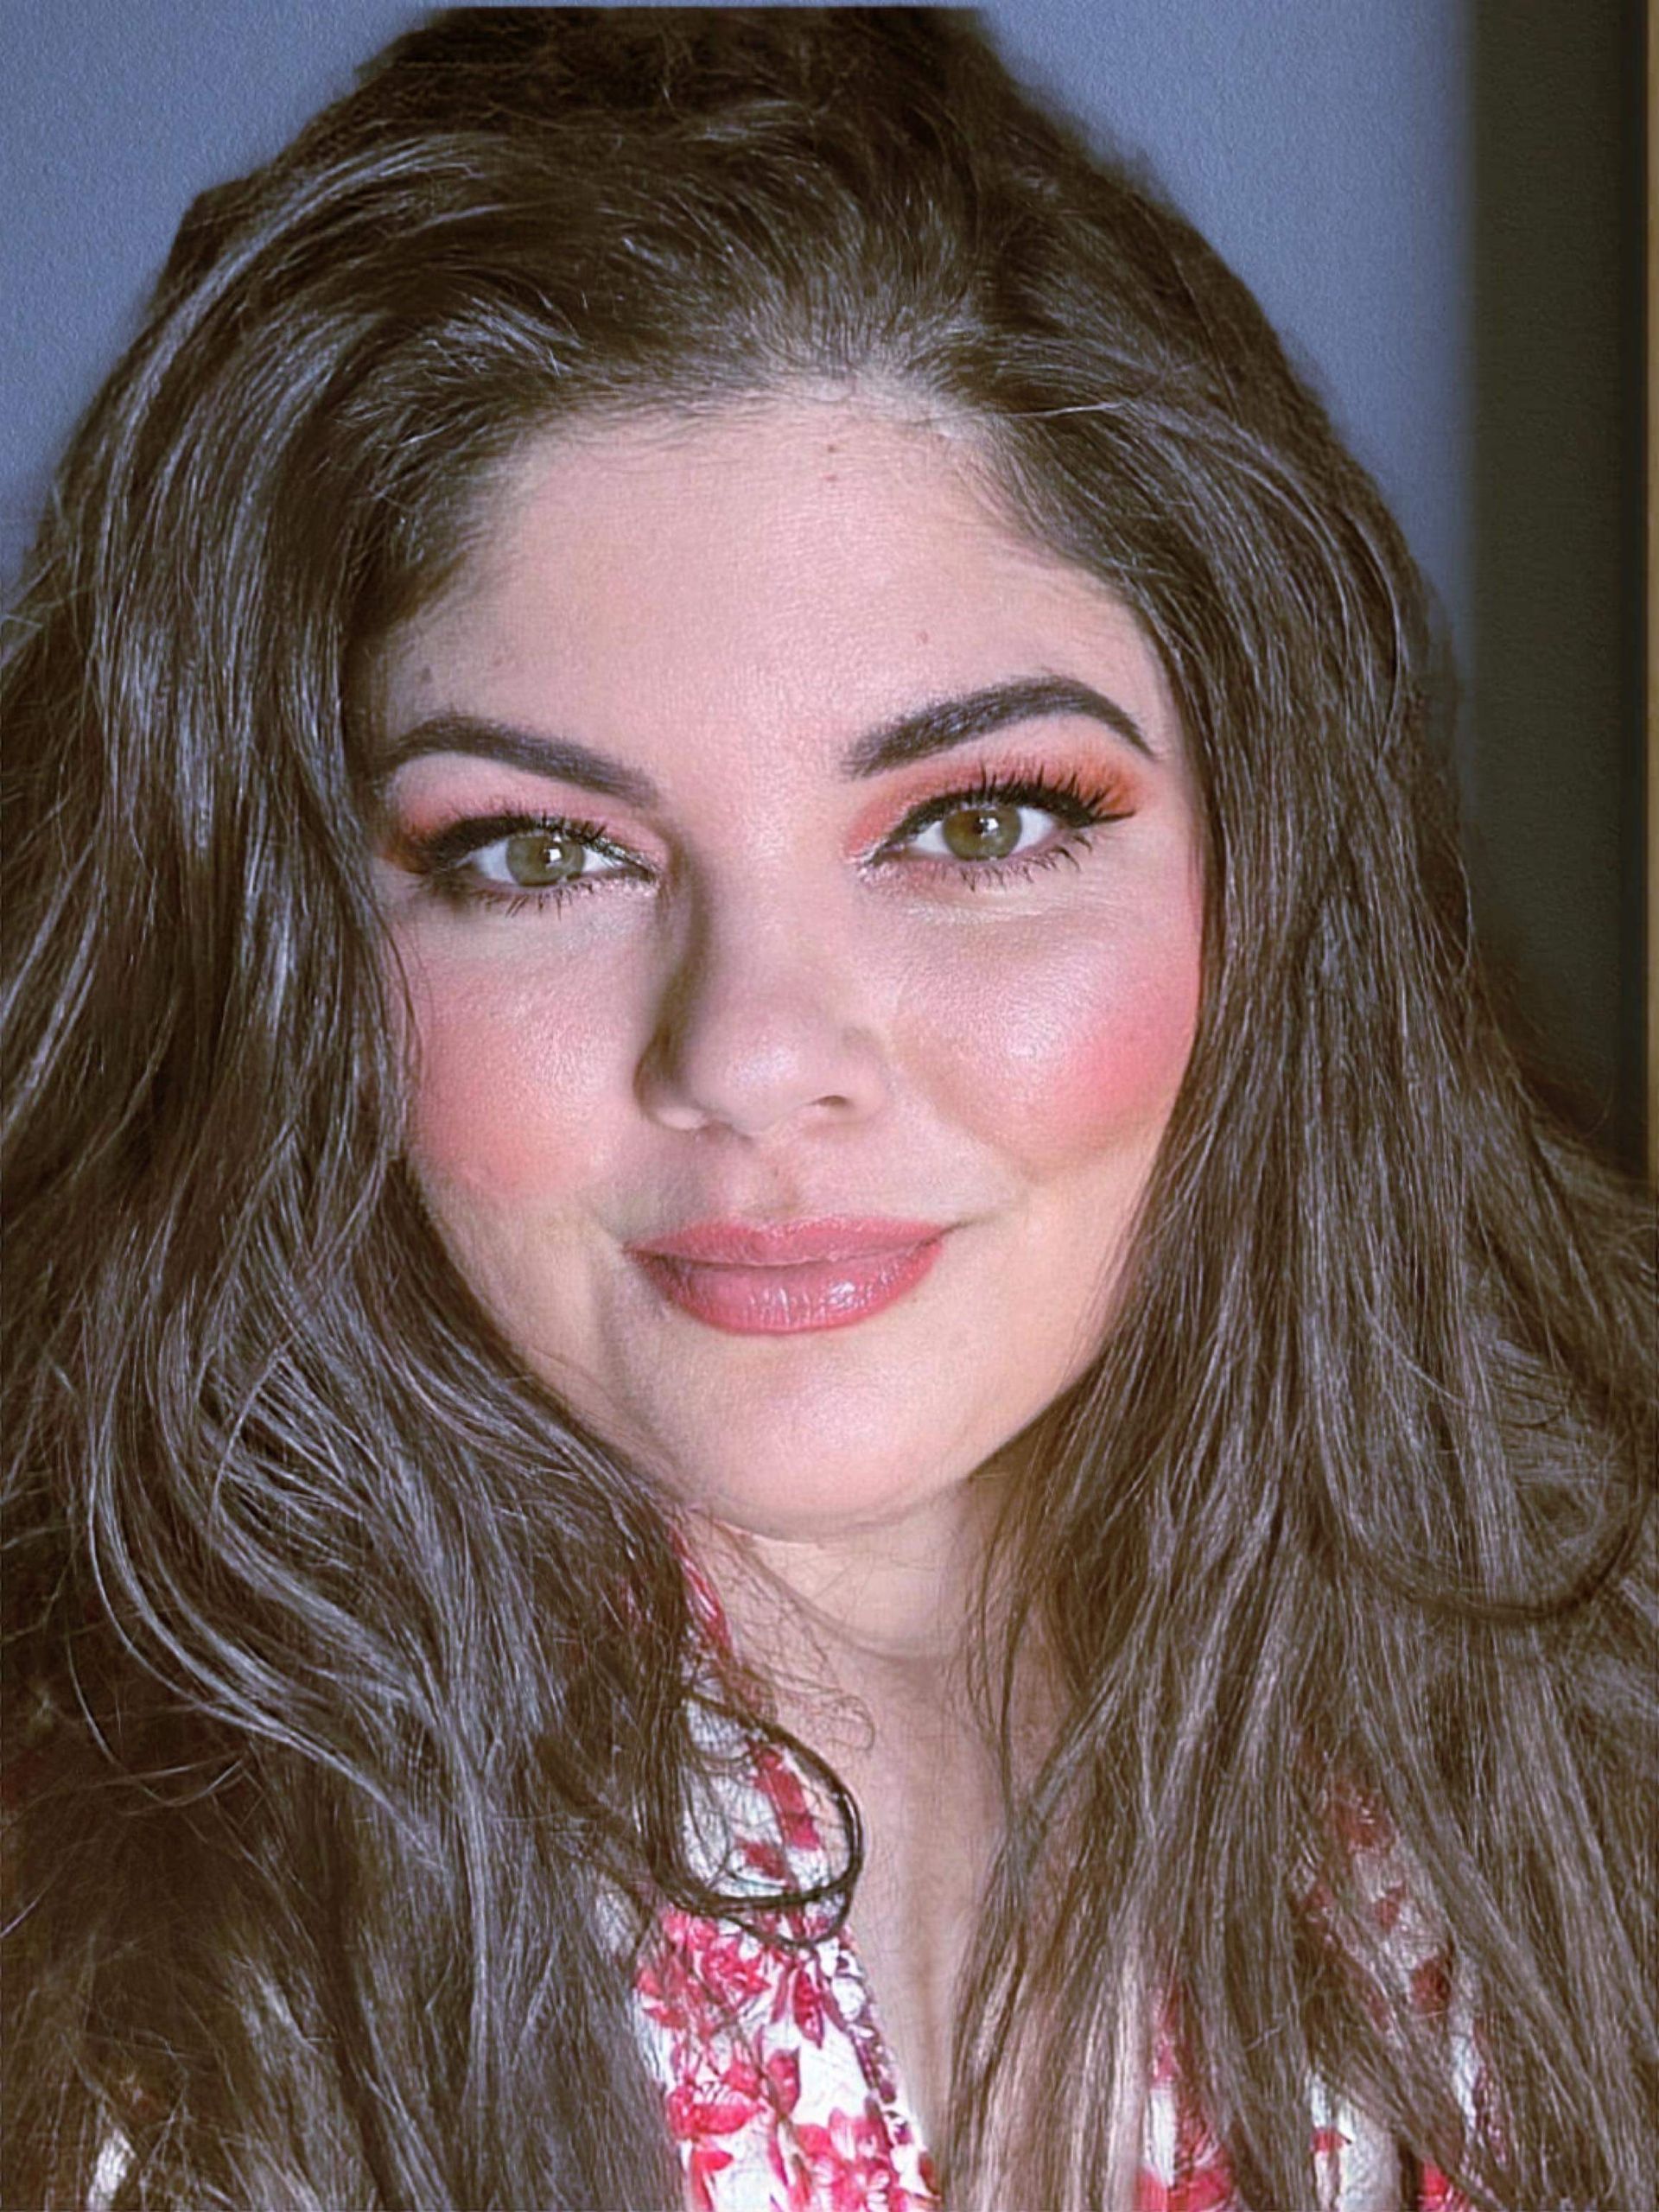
(1122, 1065)
(1077, 1050)
(508, 1083)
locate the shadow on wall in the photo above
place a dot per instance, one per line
(1556, 722)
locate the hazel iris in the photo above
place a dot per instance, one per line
(982, 832)
(536, 858)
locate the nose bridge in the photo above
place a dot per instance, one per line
(765, 1013)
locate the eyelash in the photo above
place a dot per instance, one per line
(442, 860)
(1079, 808)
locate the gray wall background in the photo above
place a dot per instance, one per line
(1436, 201)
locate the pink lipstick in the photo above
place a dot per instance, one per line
(778, 1279)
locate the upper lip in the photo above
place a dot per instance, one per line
(785, 1243)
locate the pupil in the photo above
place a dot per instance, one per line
(537, 857)
(982, 833)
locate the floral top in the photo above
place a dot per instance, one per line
(781, 2093)
(782, 2096)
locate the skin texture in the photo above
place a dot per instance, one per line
(768, 1010)
(767, 1029)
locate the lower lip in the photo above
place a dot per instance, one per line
(787, 1302)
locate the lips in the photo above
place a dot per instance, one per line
(780, 1278)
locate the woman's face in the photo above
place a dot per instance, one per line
(797, 877)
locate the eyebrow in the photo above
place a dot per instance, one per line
(935, 728)
(538, 754)
(947, 722)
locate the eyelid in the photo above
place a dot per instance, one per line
(1077, 799)
(446, 849)
(446, 860)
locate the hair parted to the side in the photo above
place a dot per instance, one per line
(353, 1680)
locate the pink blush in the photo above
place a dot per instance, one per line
(1066, 1062)
(508, 1082)
(1120, 1072)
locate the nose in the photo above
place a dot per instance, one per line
(759, 1023)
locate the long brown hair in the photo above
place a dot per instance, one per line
(352, 1680)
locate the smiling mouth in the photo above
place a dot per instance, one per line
(786, 1279)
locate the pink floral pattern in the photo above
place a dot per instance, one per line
(779, 2086)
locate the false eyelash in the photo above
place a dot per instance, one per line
(1082, 807)
(1064, 794)
(459, 841)
(440, 860)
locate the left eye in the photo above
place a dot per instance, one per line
(983, 829)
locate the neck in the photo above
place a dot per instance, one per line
(862, 1635)
(900, 1592)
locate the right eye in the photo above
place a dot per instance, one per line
(506, 859)
(544, 858)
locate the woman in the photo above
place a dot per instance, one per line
(793, 1372)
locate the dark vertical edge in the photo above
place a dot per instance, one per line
(1638, 1107)
(1554, 744)
(1642, 1014)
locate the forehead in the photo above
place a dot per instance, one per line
(801, 566)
